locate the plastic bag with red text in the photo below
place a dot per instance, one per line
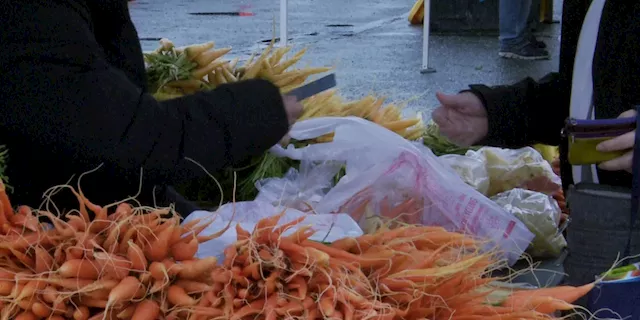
(388, 177)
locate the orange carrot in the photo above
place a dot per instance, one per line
(193, 286)
(158, 271)
(72, 284)
(184, 251)
(158, 249)
(178, 297)
(7, 209)
(40, 310)
(6, 287)
(79, 268)
(127, 312)
(327, 307)
(221, 276)
(136, 256)
(146, 310)
(335, 253)
(26, 315)
(344, 244)
(81, 313)
(565, 293)
(176, 236)
(252, 270)
(112, 265)
(195, 269)
(128, 289)
(254, 308)
(242, 234)
(49, 294)
(277, 232)
(206, 312)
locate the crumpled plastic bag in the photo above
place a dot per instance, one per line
(386, 175)
(519, 168)
(328, 227)
(541, 214)
(473, 171)
(302, 189)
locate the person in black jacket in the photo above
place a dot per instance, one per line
(74, 97)
(531, 111)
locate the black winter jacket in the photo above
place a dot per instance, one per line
(73, 96)
(534, 111)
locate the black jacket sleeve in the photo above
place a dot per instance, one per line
(524, 113)
(92, 112)
(534, 111)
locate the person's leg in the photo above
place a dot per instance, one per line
(513, 16)
(533, 22)
(515, 37)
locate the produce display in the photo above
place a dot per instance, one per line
(421, 256)
(122, 261)
(174, 72)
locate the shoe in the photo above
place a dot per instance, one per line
(537, 42)
(529, 51)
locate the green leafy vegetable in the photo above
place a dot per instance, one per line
(440, 145)
(166, 66)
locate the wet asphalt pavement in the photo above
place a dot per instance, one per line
(370, 42)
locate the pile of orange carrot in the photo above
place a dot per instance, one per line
(414, 272)
(125, 262)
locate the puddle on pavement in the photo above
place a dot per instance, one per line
(339, 25)
(225, 14)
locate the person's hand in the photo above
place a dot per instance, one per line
(621, 143)
(462, 118)
(293, 108)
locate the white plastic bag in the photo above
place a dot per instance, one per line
(472, 171)
(541, 214)
(300, 189)
(328, 227)
(520, 168)
(385, 169)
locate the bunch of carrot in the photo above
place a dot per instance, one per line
(414, 272)
(372, 210)
(179, 71)
(125, 262)
(112, 262)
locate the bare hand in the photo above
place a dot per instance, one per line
(623, 142)
(462, 118)
(293, 108)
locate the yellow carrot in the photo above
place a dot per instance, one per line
(206, 58)
(197, 49)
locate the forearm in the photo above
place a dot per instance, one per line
(115, 123)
